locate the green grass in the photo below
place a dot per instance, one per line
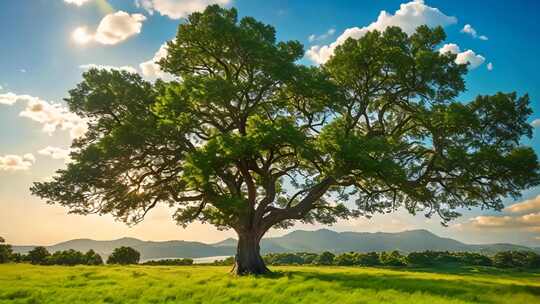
(211, 284)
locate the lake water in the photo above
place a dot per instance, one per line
(209, 259)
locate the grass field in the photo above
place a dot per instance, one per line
(211, 284)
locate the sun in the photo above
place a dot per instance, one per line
(81, 36)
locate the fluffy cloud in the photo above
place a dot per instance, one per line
(176, 9)
(16, 162)
(126, 68)
(468, 29)
(112, 29)
(530, 222)
(151, 69)
(324, 36)
(409, 16)
(535, 123)
(76, 2)
(492, 221)
(467, 57)
(54, 116)
(490, 66)
(55, 153)
(10, 98)
(51, 115)
(525, 206)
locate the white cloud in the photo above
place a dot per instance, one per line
(16, 162)
(449, 48)
(126, 68)
(76, 2)
(527, 205)
(468, 29)
(55, 153)
(11, 98)
(492, 221)
(467, 57)
(409, 16)
(324, 36)
(535, 123)
(112, 29)
(530, 222)
(151, 69)
(176, 9)
(52, 116)
(490, 66)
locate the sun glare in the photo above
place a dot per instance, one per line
(81, 36)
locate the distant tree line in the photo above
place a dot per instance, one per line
(504, 259)
(128, 255)
(41, 256)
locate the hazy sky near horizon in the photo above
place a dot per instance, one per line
(45, 45)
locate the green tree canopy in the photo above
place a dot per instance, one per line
(124, 256)
(92, 258)
(249, 139)
(6, 251)
(38, 255)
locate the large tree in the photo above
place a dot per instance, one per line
(246, 138)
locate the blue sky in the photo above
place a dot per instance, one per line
(41, 59)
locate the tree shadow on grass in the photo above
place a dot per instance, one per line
(476, 271)
(463, 289)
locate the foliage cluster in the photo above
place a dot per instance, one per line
(246, 138)
(41, 256)
(506, 259)
(124, 256)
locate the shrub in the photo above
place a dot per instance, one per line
(17, 258)
(124, 256)
(226, 262)
(325, 258)
(5, 253)
(367, 259)
(420, 259)
(346, 259)
(38, 255)
(393, 258)
(516, 259)
(503, 260)
(472, 259)
(67, 257)
(284, 259)
(92, 258)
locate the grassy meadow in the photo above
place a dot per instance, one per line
(23, 283)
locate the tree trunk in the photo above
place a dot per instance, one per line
(248, 259)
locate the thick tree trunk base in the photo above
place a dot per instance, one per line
(248, 260)
(240, 269)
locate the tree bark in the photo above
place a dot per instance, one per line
(248, 258)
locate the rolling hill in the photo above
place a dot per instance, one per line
(296, 241)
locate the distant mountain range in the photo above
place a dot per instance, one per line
(296, 241)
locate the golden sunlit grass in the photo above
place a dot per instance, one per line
(210, 284)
